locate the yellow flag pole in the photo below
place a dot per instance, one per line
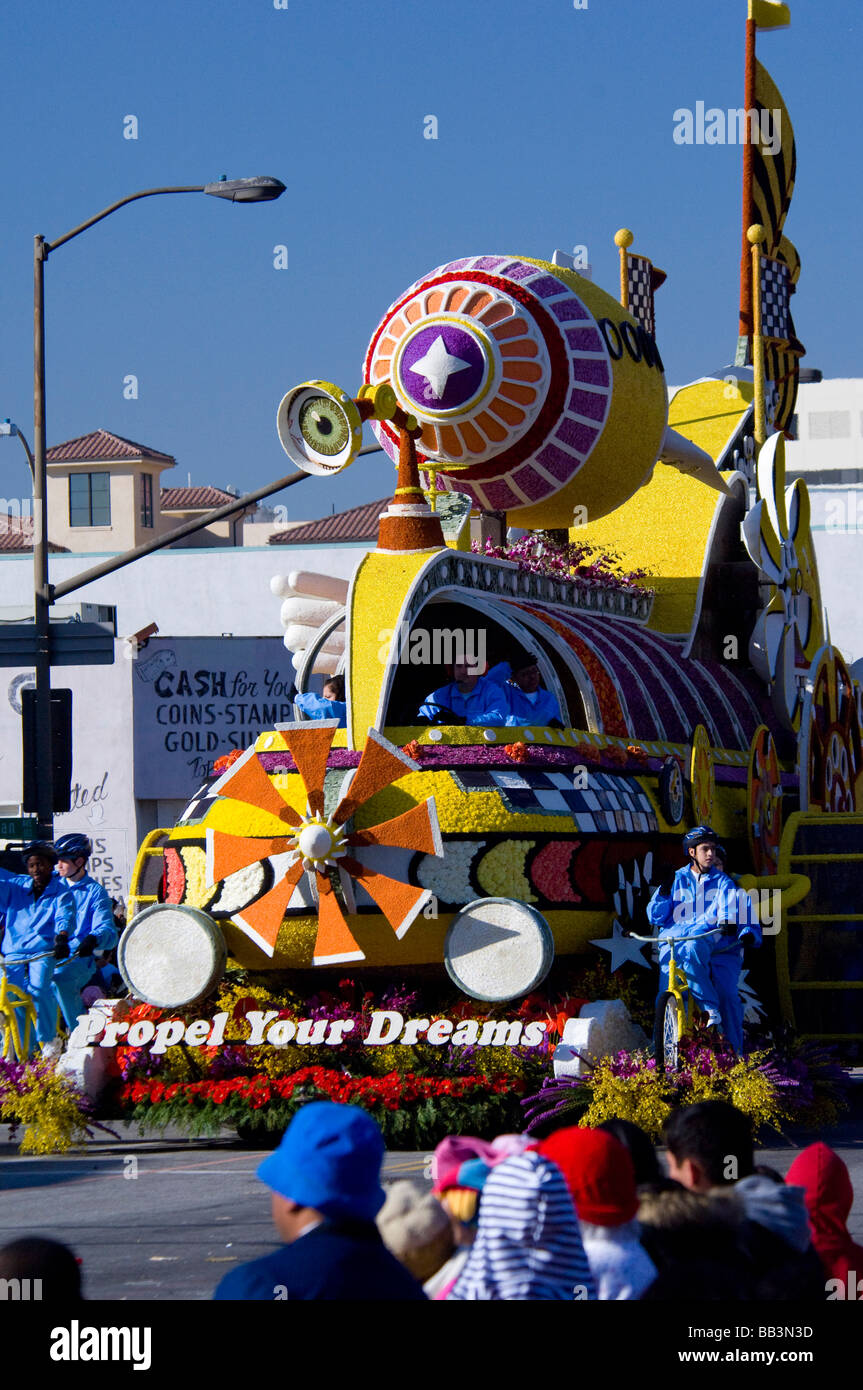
(622, 240)
(755, 236)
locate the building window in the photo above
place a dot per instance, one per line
(89, 499)
(147, 499)
(829, 424)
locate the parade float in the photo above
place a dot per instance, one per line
(439, 889)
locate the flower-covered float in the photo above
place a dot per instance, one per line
(550, 499)
(711, 695)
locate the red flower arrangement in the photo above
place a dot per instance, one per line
(413, 749)
(391, 1091)
(227, 760)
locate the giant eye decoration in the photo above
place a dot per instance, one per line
(319, 427)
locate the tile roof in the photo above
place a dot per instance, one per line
(101, 444)
(192, 499)
(356, 524)
(16, 536)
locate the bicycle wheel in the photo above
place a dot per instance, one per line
(666, 1032)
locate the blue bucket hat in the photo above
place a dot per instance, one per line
(330, 1158)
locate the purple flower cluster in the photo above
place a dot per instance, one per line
(581, 565)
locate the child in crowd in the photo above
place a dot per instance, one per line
(601, 1179)
(528, 1244)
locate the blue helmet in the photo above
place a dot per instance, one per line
(701, 835)
(40, 847)
(73, 847)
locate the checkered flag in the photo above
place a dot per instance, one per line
(775, 294)
(642, 281)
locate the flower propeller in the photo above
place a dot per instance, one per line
(789, 630)
(318, 844)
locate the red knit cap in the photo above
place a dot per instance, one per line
(599, 1174)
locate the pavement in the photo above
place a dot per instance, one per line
(165, 1219)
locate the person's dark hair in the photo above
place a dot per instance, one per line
(764, 1170)
(336, 683)
(34, 1257)
(641, 1150)
(712, 1133)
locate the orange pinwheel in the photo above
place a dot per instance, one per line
(314, 843)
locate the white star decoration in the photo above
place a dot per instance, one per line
(752, 1007)
(622, 948)
(438, 366)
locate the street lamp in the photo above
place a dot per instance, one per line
(255, 190)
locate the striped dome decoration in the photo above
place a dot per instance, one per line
(505, 369)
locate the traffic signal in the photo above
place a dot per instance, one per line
(61, 749)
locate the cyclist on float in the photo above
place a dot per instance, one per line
(94, 928)
(698, 897)
(39, 913)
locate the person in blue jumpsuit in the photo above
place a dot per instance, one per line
(472, 698)
(330, 704)
(695, 899)
(94, 928)
(39, 916)
(527, 701)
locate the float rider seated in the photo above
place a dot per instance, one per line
(697, 898)
(527, 700)
(469, 698)
(330, 704)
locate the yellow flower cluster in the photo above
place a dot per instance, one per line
(647, 1097)
(644, 1098)
(49, 1112)
(501, 871)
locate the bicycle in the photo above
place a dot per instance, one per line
(675, 1012)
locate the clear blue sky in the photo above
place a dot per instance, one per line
(555, 129)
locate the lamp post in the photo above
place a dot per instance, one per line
(255, 190)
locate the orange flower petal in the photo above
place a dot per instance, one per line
(263, 919)
(334, 942)
(381, 764)
(399, 902)
(227, 854)
(310, 748)
(247, 781)
(414, 829)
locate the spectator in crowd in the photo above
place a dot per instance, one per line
(49, 1262)
(417, 1230)
(641, 1151)
(40, 918)
(681, 1228)
(527, 700)
(325, 1188)
(601, 1179)
(94, 925)
(468, 698)
(710, 1146)
(829, 1197)
(330, 704)
(528, 1245)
